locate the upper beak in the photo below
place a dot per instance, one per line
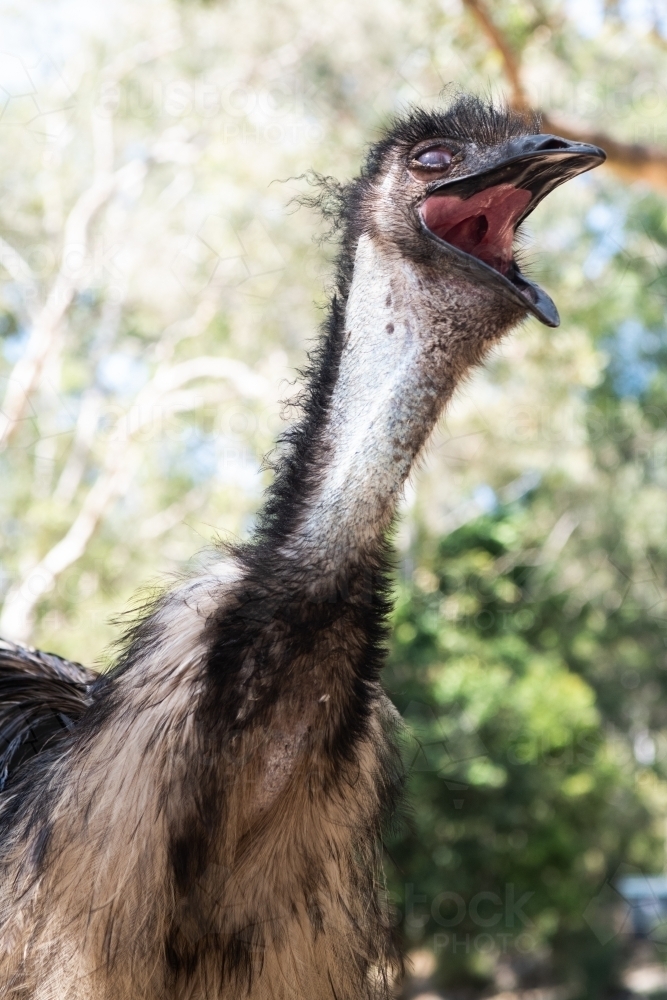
(536, 164)
(539, 163)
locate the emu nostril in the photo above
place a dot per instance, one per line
(553, 143)
(538, 143)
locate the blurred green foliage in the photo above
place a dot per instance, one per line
(523, 784)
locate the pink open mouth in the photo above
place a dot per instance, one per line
(482, 225)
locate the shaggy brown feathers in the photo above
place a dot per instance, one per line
(43, 696)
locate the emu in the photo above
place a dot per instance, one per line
(204, 821)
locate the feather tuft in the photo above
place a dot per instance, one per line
(42, 696)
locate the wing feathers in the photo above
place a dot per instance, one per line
(42, 696)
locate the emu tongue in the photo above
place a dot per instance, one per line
(482, 225)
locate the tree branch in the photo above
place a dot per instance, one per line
(155, 401)
(510, 59)
(21, 274)
(630, 161)
(25, 375)
(162, 522)
(26, 372)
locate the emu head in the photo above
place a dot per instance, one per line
(447, 192)
(427, 282)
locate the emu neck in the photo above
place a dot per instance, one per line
(386, 399)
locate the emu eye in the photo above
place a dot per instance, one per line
(437, 159)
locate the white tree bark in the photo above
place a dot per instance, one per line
(163, 396)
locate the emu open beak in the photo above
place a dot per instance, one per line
(475, 218)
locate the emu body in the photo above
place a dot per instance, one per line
(207, 824)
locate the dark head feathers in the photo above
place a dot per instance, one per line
(466, 119)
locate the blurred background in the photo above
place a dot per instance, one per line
(158, 289)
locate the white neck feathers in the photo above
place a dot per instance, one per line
(384, 405)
